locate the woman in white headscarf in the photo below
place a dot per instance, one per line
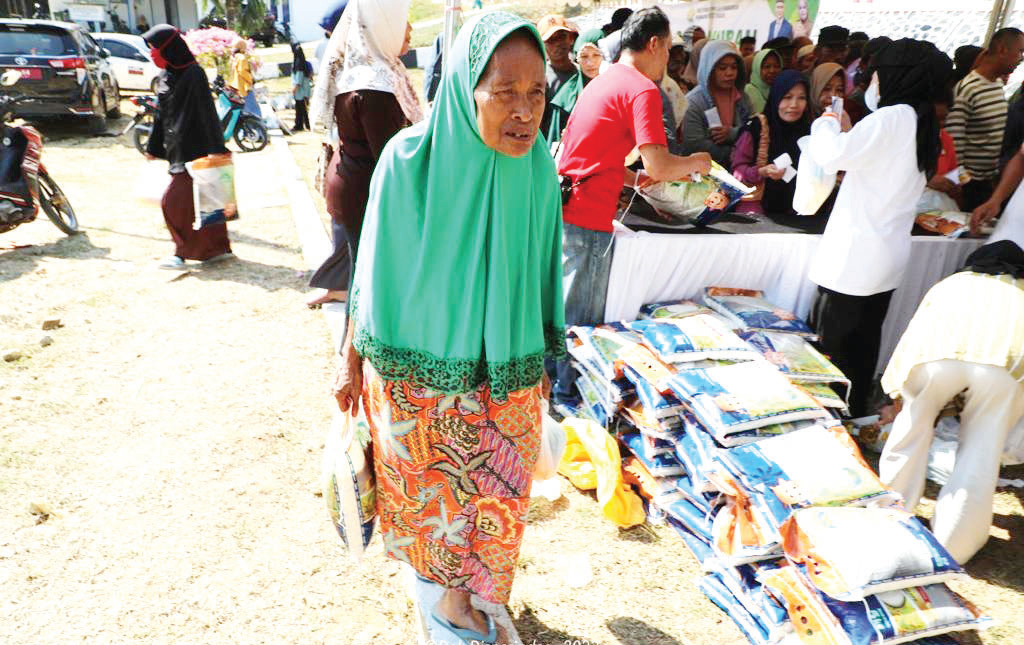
(364, 96)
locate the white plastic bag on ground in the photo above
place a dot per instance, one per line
(813, 184)
(552, 446)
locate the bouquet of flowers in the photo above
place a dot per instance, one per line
(213, 48)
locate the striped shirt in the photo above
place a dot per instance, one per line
(977, 121)
(973, 317)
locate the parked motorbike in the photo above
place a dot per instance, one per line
(25, 185)
(248, 130)
(142, 123)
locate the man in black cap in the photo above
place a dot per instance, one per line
(833, 44)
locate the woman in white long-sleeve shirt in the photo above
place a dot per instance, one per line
(866, 245)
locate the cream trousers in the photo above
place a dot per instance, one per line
(994, 404)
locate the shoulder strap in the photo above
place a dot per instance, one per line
(764, 142)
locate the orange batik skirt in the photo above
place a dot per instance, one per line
(453, 479)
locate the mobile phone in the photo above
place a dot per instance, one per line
(837, 106)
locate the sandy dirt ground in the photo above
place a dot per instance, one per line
(160, 460)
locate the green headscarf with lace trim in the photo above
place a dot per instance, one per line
(565, 98)
(459, 277)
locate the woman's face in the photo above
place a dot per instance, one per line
(793, 104)
(698, 34)
(407, 41)
(771, 66)
(723, 77)
(836, 87)
(510, 96)
(806, 63)
(677, 60)
(590, 59)
(802, 7)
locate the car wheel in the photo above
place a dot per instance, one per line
(115, 112)
(98, 121)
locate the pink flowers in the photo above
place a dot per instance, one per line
(213, 47)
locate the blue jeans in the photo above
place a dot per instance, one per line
(586, 266)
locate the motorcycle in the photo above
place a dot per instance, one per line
(25, 185)
(248, 130)
(142, 123)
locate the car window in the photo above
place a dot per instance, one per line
(119, 49)
(36, 42)
(91, 48)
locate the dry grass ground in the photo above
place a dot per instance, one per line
(173, 431)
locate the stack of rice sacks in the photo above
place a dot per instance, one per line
(731, 427)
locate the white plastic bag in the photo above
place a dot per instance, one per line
(213, 181)
(813, 184)
(152, 181)
(552, 446)
(349, 487)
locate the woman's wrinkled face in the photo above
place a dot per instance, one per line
(407, 41)
(510, 96)
(723, 77)
(590, 59)
(836, 87)
(793, 104)
(771, 67)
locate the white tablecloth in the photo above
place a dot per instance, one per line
(651, 267)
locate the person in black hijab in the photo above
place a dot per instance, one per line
(619, 18)
(186, 128)
(964, 58)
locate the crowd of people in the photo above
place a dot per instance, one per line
(470, 231)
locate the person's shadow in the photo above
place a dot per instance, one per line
(18, 261)
(631, 631)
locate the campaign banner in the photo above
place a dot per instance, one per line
(736, 19)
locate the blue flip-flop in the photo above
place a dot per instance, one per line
(468, 635)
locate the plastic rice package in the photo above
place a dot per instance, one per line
(671, 309)
(696, 450)
(747, 309)
(677, 202)
(348, 482)
(694, 338)
(794, 356)
(656, 404)
(853, 552)
(753, 626)
(780, 467)
(824, 395)
(741, 582)
(596, 406)
(213, 181)
(948, 223)
(693, 518)
(754, 435)
(662, 490)
(697, 545)
(663, 465)
(726, 192)
(732, 398)
(888, 618)
(743, 531)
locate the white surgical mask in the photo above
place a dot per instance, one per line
(871, 94)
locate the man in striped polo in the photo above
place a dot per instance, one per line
(978, 116)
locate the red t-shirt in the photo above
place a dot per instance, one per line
(947, 160)
(617, 111)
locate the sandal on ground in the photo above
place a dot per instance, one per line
(467, 635)
(172, 263)
(219, 258)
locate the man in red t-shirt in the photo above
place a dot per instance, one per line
(617, 111)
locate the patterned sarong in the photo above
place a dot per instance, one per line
(453, 480)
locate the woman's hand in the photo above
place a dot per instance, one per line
(771, 171)
(348, 382)
(719, 134)
(643, 180)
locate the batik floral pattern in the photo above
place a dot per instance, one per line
(453, 478)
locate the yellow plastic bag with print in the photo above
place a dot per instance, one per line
(592, 460)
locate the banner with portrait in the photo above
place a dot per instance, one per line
(735, 19)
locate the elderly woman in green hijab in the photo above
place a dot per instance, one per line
(589, 59)
(764, 70)
(456, 302)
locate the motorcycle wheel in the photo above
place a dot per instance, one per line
(251, 135)
(56, 205)
(141, 132)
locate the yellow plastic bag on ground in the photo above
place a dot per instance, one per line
(592, 460)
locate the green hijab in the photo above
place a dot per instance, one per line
(757, 89)
(565, 99)
(459, 277)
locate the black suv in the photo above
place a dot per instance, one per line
(62, 69)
